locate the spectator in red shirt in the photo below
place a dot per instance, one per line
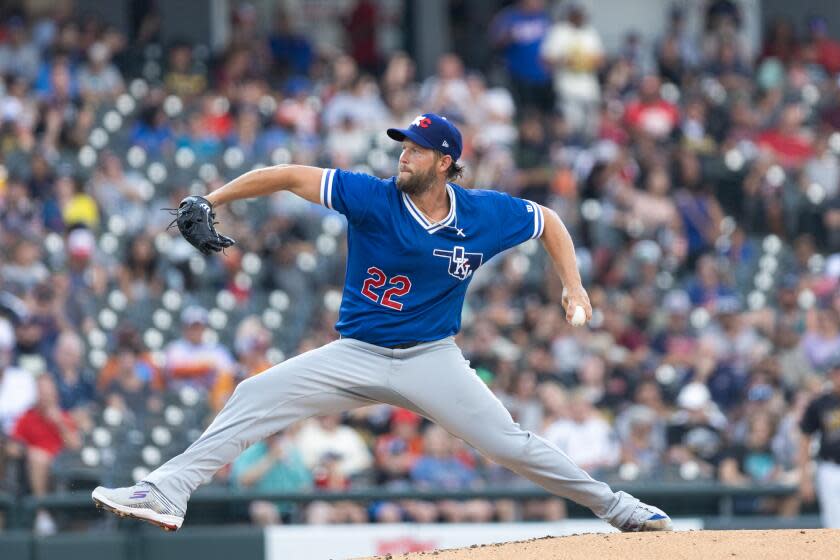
(822, 49)
(45, 430)
(786, 141)
(361, 28)
(397, 450)
(651, 115)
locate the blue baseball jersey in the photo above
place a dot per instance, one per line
(407, 277)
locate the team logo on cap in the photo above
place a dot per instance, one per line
(421, 121)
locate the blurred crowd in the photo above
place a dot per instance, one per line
(699, 180)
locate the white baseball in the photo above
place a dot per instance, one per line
(579, 317)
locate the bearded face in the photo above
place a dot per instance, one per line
(417, 182)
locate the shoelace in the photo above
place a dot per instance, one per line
(162, 498)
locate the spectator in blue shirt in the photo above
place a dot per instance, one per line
(152, 131)
(708, 286)
(439, 469)
(292, 52)
(272, 465)
(75, 391)
(518, 32)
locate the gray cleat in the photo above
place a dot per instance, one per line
(646, 518)
(141, 501)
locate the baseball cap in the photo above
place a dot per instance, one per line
(703, 441)
(403, 416)
(789, 281)
(639, 415)
(431, 131)
(762, 392)
(677, 302)
(728, 305)
(694, 396)
(81, 243)
(194, 314)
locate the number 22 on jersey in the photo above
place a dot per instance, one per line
(400, 285)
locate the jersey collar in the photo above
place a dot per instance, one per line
(425, 223)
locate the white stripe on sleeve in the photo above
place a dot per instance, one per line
(542, 221)
(323, 184)
(329, 188)
(537, 219)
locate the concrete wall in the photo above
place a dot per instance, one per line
(138, 542)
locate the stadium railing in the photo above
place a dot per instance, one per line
(690, 495)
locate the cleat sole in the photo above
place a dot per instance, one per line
(102, 503)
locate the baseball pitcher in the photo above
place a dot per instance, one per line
(414, 243)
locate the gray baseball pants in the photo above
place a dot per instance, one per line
(432, 379)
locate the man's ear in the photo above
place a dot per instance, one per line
(443, 164)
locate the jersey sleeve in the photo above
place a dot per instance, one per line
(348, 192)
(519, 220)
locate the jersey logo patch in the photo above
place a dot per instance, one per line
(461, 263)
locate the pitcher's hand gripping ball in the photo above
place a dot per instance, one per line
(195, 217)
(579, 318)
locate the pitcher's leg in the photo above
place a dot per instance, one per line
(443, 387)
(318, 382)
(828, 489)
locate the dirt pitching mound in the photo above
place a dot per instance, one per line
(788, 544)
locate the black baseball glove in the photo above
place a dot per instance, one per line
(194, 217)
